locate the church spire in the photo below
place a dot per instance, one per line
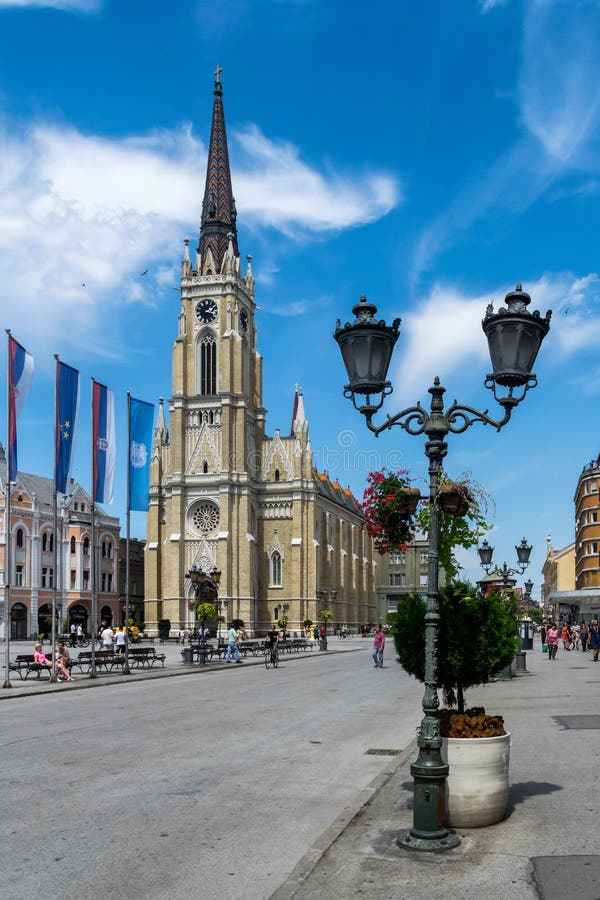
(218, 207)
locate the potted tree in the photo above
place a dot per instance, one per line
(481, 637)
(282, 622)
(326, 617)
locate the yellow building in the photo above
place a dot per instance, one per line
(587, 527)
(224, 494)
(558, 573)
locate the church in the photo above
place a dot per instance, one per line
(224, 495)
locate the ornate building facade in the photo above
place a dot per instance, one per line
(223, 494)
(32, 576)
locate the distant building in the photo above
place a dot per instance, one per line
(402, 572)
(558, 573)
(32, 572)
(136, 579)
(587, 527)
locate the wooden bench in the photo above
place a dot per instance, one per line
(104, 659)
(145, 657)
(25, 665)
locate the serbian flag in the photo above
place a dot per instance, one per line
(67, 410)
(20, 376)
(103, 442)
(141, 419)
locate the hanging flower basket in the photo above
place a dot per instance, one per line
(454, 497)
(389, 504)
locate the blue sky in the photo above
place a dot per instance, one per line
(430, 155)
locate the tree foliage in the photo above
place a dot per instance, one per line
(478, 637)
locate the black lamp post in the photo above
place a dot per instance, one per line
(514, 337)
(505, 573)
(205, 585)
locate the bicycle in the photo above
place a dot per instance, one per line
(343, 635)
(271, 657)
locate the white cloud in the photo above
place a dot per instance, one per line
(82, 216)
(559, 86)
(443, 333)
(487, 5)
(278, 189)
(68, 5)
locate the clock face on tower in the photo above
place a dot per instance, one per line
(244, 320)
(206, 311)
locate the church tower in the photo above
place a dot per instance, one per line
(223, 494)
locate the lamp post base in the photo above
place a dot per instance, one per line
(408, 840)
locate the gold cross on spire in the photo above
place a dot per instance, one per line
(217, 74)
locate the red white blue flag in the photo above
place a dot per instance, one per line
(103, 442)
(20, 376)
(67, 410)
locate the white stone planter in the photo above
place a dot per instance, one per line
(477, 785)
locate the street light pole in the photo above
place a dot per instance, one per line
(514, 337)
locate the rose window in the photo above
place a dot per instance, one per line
(205, 518)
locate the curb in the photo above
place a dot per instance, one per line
(313, 856)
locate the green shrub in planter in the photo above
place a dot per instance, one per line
(478, 637)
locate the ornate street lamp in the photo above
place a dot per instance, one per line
(514, 337)
(205, 584)
(505, 573)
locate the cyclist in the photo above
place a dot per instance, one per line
(271, 642)
(344, 631)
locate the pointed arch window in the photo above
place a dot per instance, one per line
(86, 546)
(20, 537)
(275, 569)
(206, 364)
(73, 544)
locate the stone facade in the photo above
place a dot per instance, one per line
(224, 494)
(33, 572)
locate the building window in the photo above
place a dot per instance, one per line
(86, 546)
(398, 558)
(397, 579)
(276, 569)
(277, 475)
(103, 548)
(73, 544)
(423, 580)
(19, 576)
(109, 586)
(20, 538)
(47, 577)
(103, 588)
(424, 557)
(109, 549)
(205, 517)
(73, 575)
(86, 581)
(44, 542)
(208, 365)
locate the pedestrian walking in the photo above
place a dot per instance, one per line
(232, 646)
(181, 635)
(80, 634)
(73, 634)
(594, 639)
(120, 639)
(552, 640)
(378, 645)
(583, 636)
(107, 637)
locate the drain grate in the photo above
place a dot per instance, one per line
(376, 751)
(578, 723)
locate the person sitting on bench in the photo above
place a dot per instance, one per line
(42, 660)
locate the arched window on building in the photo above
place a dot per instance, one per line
(206, 364)
(103, 549)
(276, 569)
(277, 474)
(73, 544)
(20, 538)
(44, 542)
(86, 546)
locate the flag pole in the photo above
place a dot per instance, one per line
(94, 603)
(55, 518)
(126, 669)
(7, 560)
